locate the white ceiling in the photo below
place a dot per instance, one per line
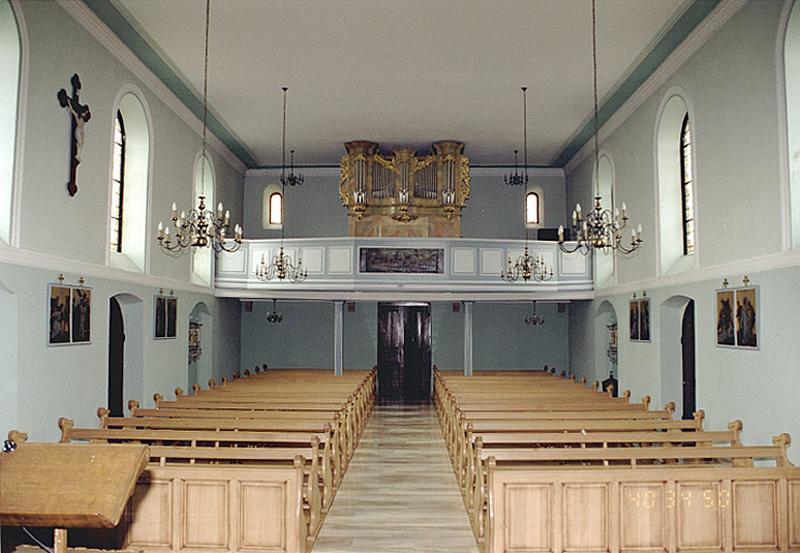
(403, 72)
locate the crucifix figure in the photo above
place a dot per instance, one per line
(80, 114)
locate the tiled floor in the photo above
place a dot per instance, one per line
(399, 494)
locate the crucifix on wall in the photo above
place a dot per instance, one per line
(79, 116)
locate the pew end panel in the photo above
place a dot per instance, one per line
(653, 509)
(221, 508)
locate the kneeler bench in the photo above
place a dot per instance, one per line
(68, 486)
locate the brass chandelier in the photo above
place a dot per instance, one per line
(515, 178)
(201, 227)
(274, 316)
(601, 229)
(534, 319)
(282, 266)
(526, 267)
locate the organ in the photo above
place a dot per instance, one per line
(404, 195)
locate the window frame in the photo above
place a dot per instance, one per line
(118, 120)
(687, 184)
(528, 221)
(271, 209)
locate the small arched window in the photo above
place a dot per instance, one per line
(10, 65)
(129, 182)
(677, 222)
(276, 209)
(532, 208)
(687, 197)
(117, 183)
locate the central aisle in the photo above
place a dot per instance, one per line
(399, 494)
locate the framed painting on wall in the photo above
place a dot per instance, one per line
(746, 317)
(60, 311)
(81, 315)
(165, 315)
(633, 316)
(644, 320)
(726, 333)
(172, 317)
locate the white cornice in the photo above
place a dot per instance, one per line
(761, 264)
(89, 21)
(455, 296)
(57, 264)
(699, 36)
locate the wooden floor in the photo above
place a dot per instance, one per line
(399, 494)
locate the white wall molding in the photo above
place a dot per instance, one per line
(699, 36)
(94, 25)
(761, 264)
(57, 264)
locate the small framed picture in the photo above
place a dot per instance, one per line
(172, 317)
(644, 320)
(633, 315)
(165, 315)
(726, 330)
(747, 317)
(60, 314)
(81, 315)
(160, 317)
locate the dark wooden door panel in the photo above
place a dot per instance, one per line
(404, 352)
(688, 361)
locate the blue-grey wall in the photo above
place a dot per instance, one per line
(314, 209)
(502, 340)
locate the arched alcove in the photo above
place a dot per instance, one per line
(127, 372)
(10, 67)
(672, 318)
(605, 318)
(200, 361)
(8, 359)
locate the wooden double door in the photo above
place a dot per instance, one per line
(404, 352)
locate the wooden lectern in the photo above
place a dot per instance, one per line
(68, 485)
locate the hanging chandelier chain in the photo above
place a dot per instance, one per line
(283, 142)
(525, 131)
(202, 226)
(205, 97)
(595, 119)
(601, 229)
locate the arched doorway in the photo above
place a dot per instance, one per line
(678, 354)
(200, 354)
(8, 359)
(125, 351)
(605, 340)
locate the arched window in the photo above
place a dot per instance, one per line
(117, 183)
(10, 56)
(276, 209)
(677, 221)
(791, 63)
(130, 182)
(687, 195)
(532, 208)
(203, 258)
(272, 207)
